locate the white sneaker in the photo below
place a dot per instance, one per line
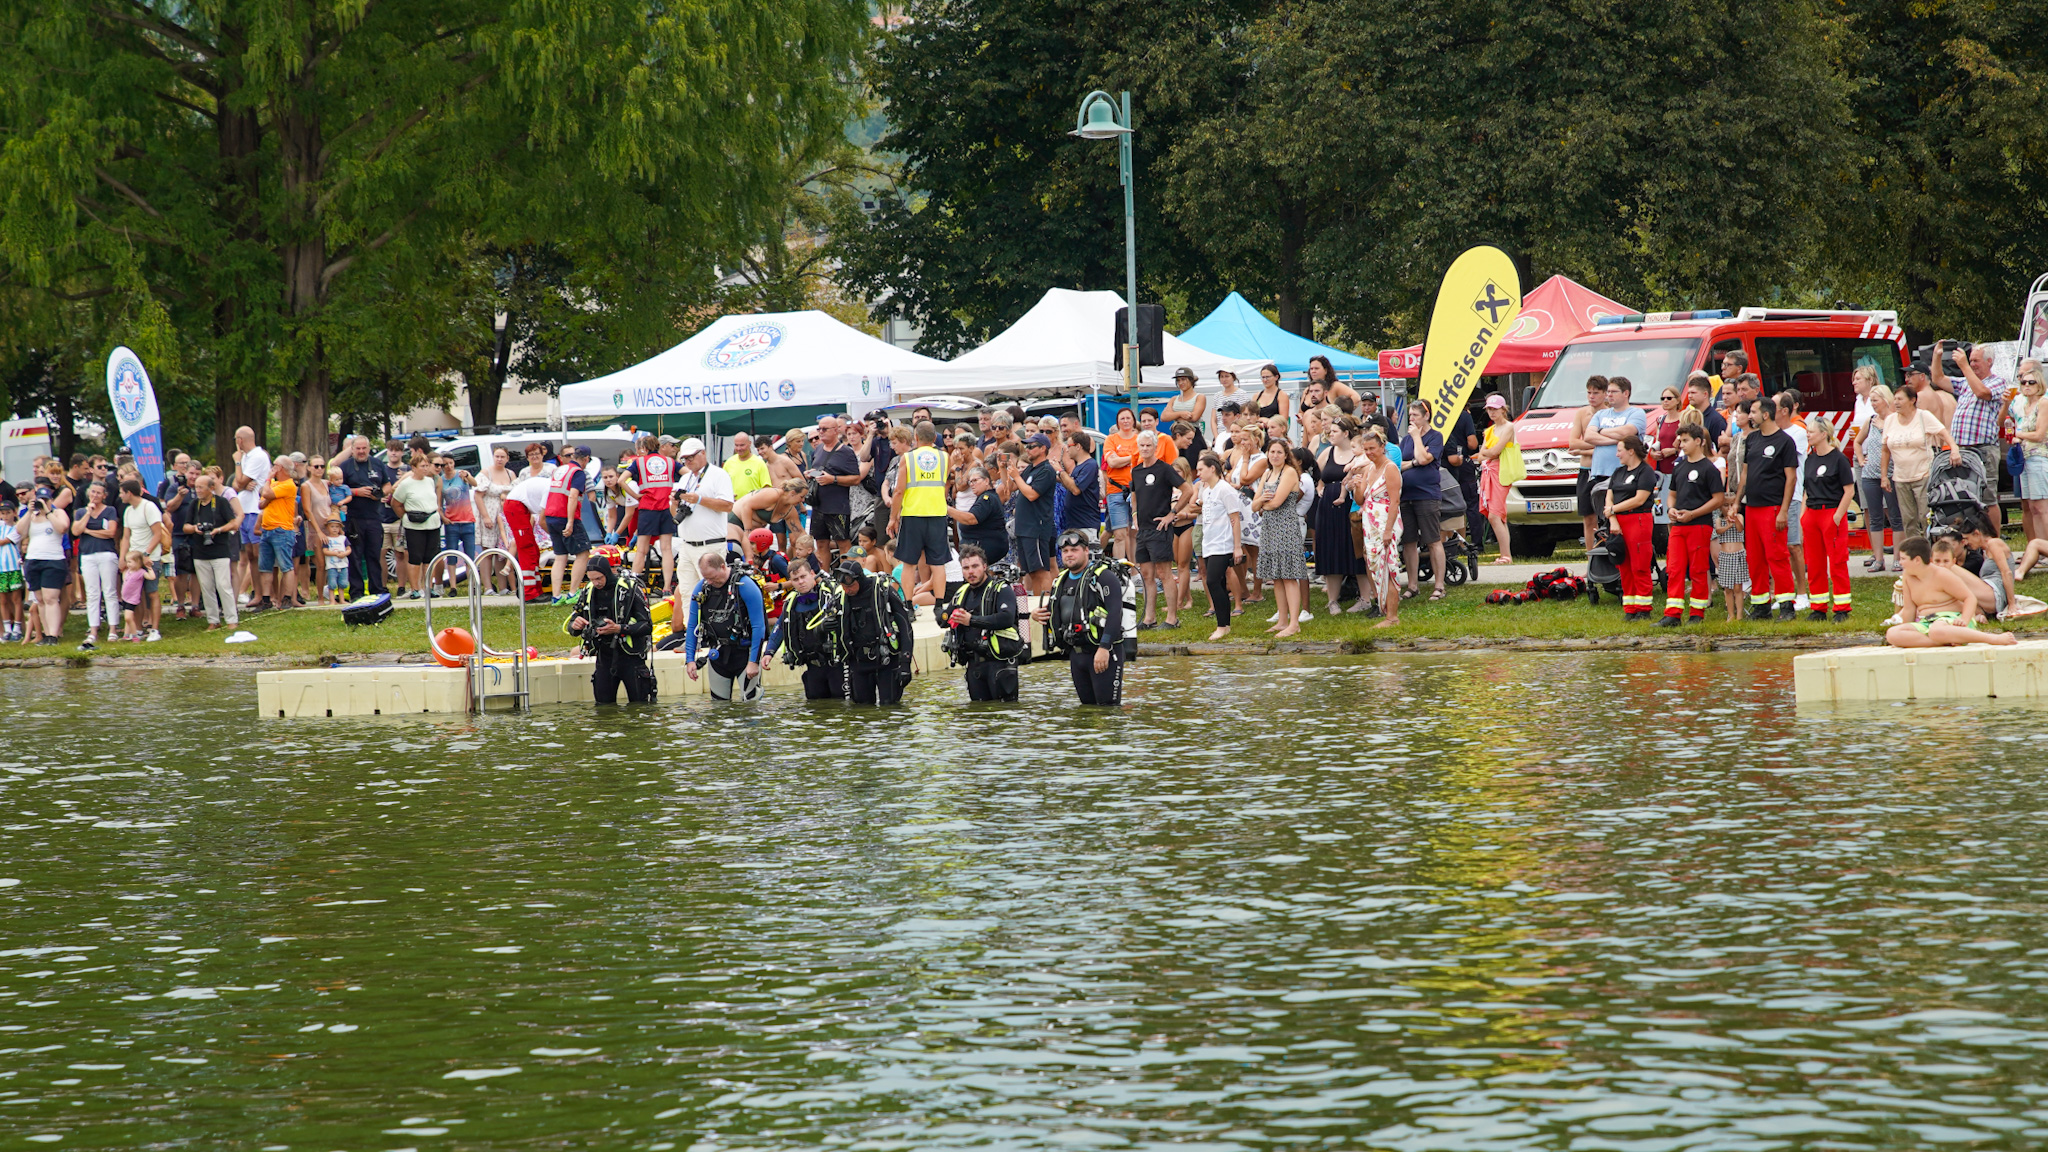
(153, 636)
(1336, 609)
(1305, 617)
(1800, 603)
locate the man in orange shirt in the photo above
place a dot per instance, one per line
(278, 540)
(1119, 452)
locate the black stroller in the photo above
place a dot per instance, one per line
(1954, 485)
(1461, 549)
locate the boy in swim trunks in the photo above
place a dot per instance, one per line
(1938, 604)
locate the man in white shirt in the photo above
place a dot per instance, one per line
(703, 498)
(523, 508)
(252, 472)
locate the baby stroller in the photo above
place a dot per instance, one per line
(1954, 485)
(1461, 551)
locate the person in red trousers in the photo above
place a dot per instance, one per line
(1630, 492)
(522, 509)
(1770, 469)
(1697, 491)
(1830, 484)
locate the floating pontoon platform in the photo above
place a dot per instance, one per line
(1883, 673)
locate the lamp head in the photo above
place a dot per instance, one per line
(1098, 119)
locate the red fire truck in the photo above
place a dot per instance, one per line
(1814, 352)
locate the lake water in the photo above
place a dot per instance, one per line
(1478, 902)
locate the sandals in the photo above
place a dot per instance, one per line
(1437, 595)
(1408, 593)
(1874, 564)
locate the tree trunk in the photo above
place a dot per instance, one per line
(1297, 314)
(232, 410)
(302, 411)
(64, 438)
(485, 393)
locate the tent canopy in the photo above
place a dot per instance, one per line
(1559, 311)
(1237, 329)
(743, 363)
(1064, 345)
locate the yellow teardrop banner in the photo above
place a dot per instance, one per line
(1475, 306)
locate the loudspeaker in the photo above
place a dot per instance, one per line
(1151, 334)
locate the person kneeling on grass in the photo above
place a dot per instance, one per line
(1939, 606)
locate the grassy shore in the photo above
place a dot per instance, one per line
(309, 636)
(1463, 615)
(312, 636)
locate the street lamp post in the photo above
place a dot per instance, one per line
(1102, 118)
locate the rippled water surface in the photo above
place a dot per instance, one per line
(1485, 902)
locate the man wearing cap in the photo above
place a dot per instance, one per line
(748, 473)
(1035, 525)
(563, 515)
(917, 510)
(1369, 414)
(703, 499)
(655, 525)
(878, 635)
(615, 628)
(1085, 617)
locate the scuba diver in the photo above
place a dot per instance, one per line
(1086, 621)
(729, 622)
(878, 633)
(611, 618)
(981, 629)
(812, 633)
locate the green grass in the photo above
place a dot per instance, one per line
(306, 635)
(1463, 614)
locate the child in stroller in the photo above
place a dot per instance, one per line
(1954, 487)
(1461, 551)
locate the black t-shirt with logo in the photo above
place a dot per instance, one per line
(1764, 461)
(1152, 488)
(1827, 476)
(1626, 483)
(1693, 483)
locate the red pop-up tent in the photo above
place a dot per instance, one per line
(1558, 311)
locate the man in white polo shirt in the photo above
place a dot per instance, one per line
(703, 497)
(252, 472)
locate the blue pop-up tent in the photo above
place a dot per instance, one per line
(1238, 330)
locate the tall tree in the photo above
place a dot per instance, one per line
(1665, 155)
(1947, 214)
(998, 202)
(241, 160)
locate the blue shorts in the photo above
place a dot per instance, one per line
(337, 579)
(655, 522)
(249, 533)
(1034, 554)
(276, 552)
(1120, 511)
(567, 537)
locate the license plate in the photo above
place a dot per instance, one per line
(1562, 504)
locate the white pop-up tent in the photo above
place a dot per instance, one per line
(1064, 346)
(771, 368)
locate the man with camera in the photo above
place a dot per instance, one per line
(1980, 409)
(613, 623)
(812, 633)
(981, 630)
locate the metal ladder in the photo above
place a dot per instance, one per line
(484, 678)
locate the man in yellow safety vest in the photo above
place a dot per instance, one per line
(917, 512)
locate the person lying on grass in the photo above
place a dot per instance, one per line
(1937, 604)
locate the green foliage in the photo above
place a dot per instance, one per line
(1001, 203)
(1946, 214)
(223, 172)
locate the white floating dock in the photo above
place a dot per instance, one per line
(411, 689)
(1882, 673)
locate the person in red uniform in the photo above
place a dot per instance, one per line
(1697, 490)
(1770, 464)
(1629, 494)
(1830, 484)
(523, 507)
(655, 473)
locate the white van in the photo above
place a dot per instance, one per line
(21, 441)
(471, 453)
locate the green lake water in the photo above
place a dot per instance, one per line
(1634, 902)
